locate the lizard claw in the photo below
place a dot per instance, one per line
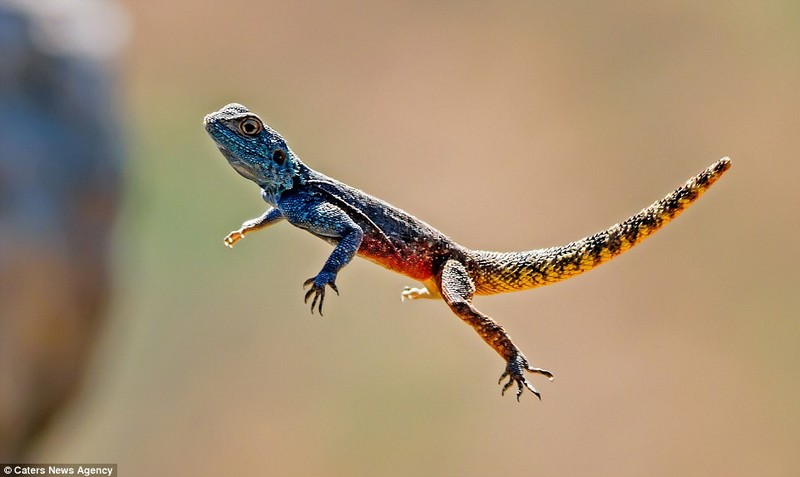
(318, 289)
(515, 372)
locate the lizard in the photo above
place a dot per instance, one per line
(356, 223)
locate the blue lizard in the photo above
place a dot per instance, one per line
(357, 223)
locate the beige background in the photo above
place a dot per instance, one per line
(513, 125)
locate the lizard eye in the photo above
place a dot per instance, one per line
(279, 157)
(250, 126)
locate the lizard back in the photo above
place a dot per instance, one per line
(393, 238)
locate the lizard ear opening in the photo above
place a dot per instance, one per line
(279, 157)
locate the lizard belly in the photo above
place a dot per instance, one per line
(409, 260)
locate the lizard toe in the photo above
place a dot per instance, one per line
(515, 372)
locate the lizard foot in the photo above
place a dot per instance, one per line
(414, 293)
(515, 371)
(318, 289)
(233, 237)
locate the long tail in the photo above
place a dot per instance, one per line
(498, 272)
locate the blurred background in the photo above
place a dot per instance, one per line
(507, 126)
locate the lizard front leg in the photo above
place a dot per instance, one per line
(268, 218)
(457, 290)
(327, 221)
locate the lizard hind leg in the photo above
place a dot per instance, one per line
(413, 293)
(429, 289)
(457, 289)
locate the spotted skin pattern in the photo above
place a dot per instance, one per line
(356, 223)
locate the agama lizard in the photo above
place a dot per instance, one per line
(357, 223)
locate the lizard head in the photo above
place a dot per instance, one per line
(252, 148)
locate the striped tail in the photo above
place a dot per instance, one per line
(498, 272)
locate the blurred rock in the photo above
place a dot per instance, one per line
(60, 177)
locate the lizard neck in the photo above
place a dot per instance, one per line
(272, 191)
